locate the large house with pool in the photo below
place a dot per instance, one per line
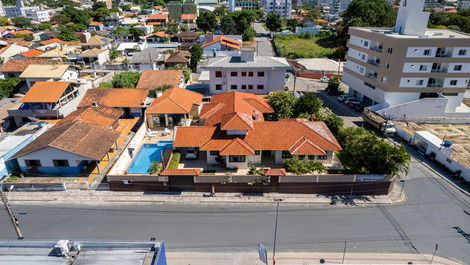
(235, 134)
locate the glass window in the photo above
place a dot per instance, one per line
(61, 163)
(427, 52)
(462, 52)
(311, 157)
(236, 159)
(243, 73)
(453, 82)
(257, 152)
(233, 73)
(233, 87)
(423, 67)
(260, 87)
(301, 156)
(218, 87)
(218, 74)
(322, 157)
(390, 50)
(214, 153)
(250, 73)
(260, 74)
(419, 82)
(286, 154)
(458, 67)
(250, 86)
(33, 163)
(243, 86)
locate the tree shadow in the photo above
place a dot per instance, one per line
(345, 199)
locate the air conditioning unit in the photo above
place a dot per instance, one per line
(62, 247)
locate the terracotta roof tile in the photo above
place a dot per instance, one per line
(188, 16)
(31, 53)
(151, 79)
(27, 32)
(236, 121)
(175, 101)
(157, 16)
(99, 115)
(306, 147)
(224, 41)
(115, 97)
(198, 136)
(179, 57)
(45, 92)
(19, 65)
(237, 147)
(180, 172)
(275, 172)
(52, 41)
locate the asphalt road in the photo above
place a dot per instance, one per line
(265, 48)
(432, 210)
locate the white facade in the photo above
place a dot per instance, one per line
(463, 4)
(69, 75)
(32, 12)
(48, 154)
(281, 7)
(12, 51)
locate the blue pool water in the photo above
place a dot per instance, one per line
(147, 154)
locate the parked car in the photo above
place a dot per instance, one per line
(191, 154)
(324, 79)
(342, 98)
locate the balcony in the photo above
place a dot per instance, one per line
(439, 70)
(444, 54)
(371, 75)
(374, 62)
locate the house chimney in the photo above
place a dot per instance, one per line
(248, 54)
(256, 115)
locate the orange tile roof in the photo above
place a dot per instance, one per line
(52, 41)
(237, 147)
(320, 20)
(151, 79)
(224, 41)
(194, 136)
(19, 65)
(175, 101)
(99, 115)
(275, 172)
(96, 23)
(236, 121)
(160, 34)
(115, 97)
(157, 16)
(188, 16)
(45, 92)
(27, 32)
(239, 102)
(180, 172)
(306, 147)
(31, 53)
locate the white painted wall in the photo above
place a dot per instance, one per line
(358, 55)
(465, 68)
(455, 52)
(358, 41)
(461, 82)
(415, 67)
(236, 164)
(48, 154)
(273, 80)
(356, 68)
(211, 159)
(418, 52)
(413, 81)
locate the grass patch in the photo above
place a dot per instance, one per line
(296, 47)
(175, 160)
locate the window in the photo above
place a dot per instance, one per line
(419, 82)
(322, 157)
(363, 57)
(218, 87)
(361, 70)
(311, 157)
(387, 65)
(286, 154)
(250, 86)
(260, 87)
(458, 67)
(250, 73)
(243, 86)
(233, 87)
(301, 156)
(218, 73)
(257, 152)
(366, 43)
(243, 73)
(462, 52)
(427, 52)
(453, 82)
(61, 163)
(214, 153)
(260, 74)
(423, 67)
(236, 159)
(233, 73)
(390, 50)
(32, 163)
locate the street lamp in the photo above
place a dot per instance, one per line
(275, 229)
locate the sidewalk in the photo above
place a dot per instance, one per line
(97, 197)
(301, 258)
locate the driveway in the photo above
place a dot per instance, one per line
(265, 47)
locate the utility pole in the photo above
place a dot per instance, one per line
(275, 230)
(13, 218)
(344, 251)
(434, 253)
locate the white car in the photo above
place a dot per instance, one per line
(324, 79)
(342, 98)
(191, 154)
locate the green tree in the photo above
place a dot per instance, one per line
(67, 36)
(307, 103)
(249, 34)
(97, 5)
(136, 33)
(364, 152)
(274, 22)
(184, 28)
(45, 26)
(171, 29)
(292, 24)
(8, 87)
(161, 88)
(113, 53)
(26, 37)
(100, 13)
(155, 168)
(126, 80)
(21, 22)
(303, 166)
(283, 104)
(374, 13)
(196, 56)
(105, 85)
(333, 85)
(4, 22)
(227, 25)
(313, 14)
(333, 121)
(220, 11)
(206, 21)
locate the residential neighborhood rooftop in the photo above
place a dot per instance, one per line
(45, 92)
(115, 97)
(44, 71)
(151, 79)
(175, 101)
(19, 65)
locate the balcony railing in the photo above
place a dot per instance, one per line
(371, 76)
(435, 85)
(441, 70)
(373, 62)
(446, 54)
(377, 49)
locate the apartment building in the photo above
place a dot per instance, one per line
(281, 7)
(409, 71)
(463, 4)
(247, 73)
(35, 13)
(234, 5)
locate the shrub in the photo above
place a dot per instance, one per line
(303, 166)
(155, 168)
(175, 160)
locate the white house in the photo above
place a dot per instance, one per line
(247, 73)
(11, 51)
(48, 73)
(95, 56)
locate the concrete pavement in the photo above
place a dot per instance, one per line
(263, 43)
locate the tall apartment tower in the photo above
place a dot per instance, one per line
(409, 71)
(281, 7)
(2, 11)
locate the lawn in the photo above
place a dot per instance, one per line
(296, 47)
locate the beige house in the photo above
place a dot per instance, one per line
(48, 73)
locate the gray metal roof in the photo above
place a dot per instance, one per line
(235, 62)
(146, 56)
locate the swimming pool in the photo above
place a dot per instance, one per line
(147, 154)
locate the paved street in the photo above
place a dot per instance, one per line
(263, 43)
(428, 217)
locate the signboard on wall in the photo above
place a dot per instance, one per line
(370, 177)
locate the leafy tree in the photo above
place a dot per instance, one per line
(120, 30)
(313, 14)
(171, 29)
(333, 121)
(303, 166)
(184, 28)
(307, 103)
(364, 152)
(113, 53)
(206, 21)
(196, 56)
(155, 168)
(283, 104)
(249, 34)
(4, 21)
(162, 88)
(220, 11)
(227, 25)
(126, 80)
(67, 36)
(26, 37)
(374, 13)
(333, 85)
(274, 22)
(97, 5)
(21, 22)
(8, 87)
(105, 85)
(71, 14)
(136, 33)
(100, 13)
(459, 21)
(45, 26)
(292, 24)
